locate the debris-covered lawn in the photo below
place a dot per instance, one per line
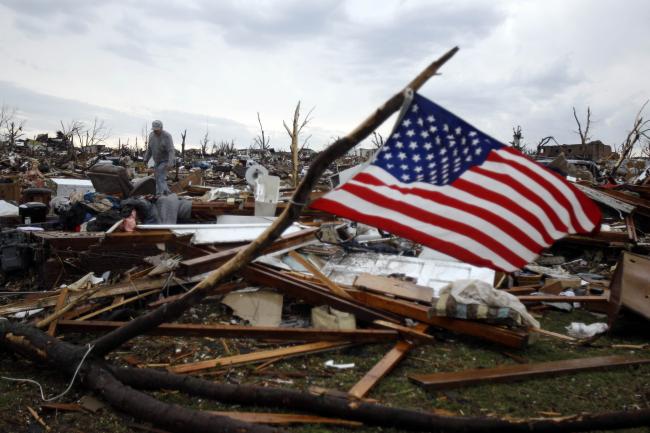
(621, 388)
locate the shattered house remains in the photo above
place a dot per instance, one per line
(324, 311)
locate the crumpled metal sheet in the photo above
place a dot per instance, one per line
(432, 273)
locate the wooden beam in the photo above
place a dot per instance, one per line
(415, 333)
(384, 366)
(60, 302)
(318, 274)
(495, 334)
(236, 331)
(508, 373)
(395, 287)
(559, 298)
(250, 358)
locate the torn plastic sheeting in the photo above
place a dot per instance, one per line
(426, 272)
(582, 330)
(217, 233)
(330, 363)
(7, 209)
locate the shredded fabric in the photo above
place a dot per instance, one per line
(479, 292)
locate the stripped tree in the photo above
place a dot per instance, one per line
(640, 130)
(584, 135)
(261, 141)
(294, 135)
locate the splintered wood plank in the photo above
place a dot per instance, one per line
(508, 373)
(114, 305)
(237, 331)
(384, 366)
(285, 418)
(560, 298)
(496, 334)
(395, 287)
(249, 358)
(60, 302)
(335, 288)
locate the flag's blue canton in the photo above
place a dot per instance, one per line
(432, 145)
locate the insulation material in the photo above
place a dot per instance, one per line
(259, 308)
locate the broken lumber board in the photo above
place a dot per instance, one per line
(504, 336)
(508, 373)
(413, 333)
(384, 366)
(560, 298)
(395, 287)
(60, 303)
(314, 294)
(118, 304)
(210, 262)
(285, 418)
(236, 331)
(307, 264)
(103, 292)
(253, 357)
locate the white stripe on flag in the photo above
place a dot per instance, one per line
(459, 194)
(523, 179)
(359, 204)
(585, 222)
(487, 228)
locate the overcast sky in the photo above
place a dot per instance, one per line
(198, 64)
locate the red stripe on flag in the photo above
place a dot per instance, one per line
(526, 192)
(544, 183)
(370, 195)
(398, 229)
(591, 209)
(505, 202)
(498, 221)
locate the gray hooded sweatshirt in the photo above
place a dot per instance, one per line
(161, 148)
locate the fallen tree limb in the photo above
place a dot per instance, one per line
(370, 413)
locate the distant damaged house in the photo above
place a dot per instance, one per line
(594, 150)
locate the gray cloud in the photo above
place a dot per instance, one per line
(44, 112)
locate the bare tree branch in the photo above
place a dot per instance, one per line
(584, 136)
(294, 134)
(640, 130)
(261, 141)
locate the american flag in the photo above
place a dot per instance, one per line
(441, 182)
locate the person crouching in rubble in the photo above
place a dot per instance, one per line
(161, 148)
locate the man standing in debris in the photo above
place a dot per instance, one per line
(161, 148)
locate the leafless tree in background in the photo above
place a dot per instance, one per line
(226, 148)
(69, 131)
(183, 135)
(640, 131)
(204, 143)
(11, 128)
(584, 135)
(261, 141)
(294, 134)
(97, 133)
(517, 139)
(145, 135)
(377, 140)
